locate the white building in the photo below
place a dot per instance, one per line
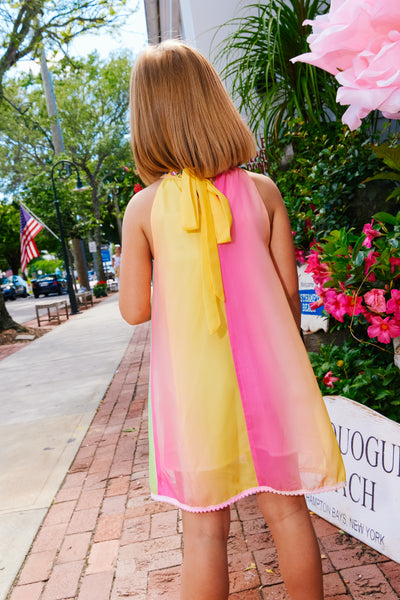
(195, 21)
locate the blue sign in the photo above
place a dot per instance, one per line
(307, 297)
(105, 255)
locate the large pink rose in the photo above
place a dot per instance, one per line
(358, 41)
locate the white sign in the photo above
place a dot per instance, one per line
(311, 320)
(368, 507)
(92, 247)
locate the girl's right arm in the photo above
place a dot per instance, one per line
(136, 260)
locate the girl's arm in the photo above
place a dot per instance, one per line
(135, 270)
(281, 242)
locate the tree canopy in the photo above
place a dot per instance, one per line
(92, 99)
(26, 24)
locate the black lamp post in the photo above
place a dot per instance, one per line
(63, 172)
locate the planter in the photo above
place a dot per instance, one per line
(367, 508)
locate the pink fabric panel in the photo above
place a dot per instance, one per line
(285, 415)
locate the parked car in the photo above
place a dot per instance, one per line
(49, 284)
(21, 286)
(8, 289)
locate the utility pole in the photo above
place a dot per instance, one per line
(59, 148)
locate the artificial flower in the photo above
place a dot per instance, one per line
(358, 41)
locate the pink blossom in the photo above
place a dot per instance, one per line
(320, 271)
(383, 329)
(351, 303)
(394, 262)
(329, 379)
(334, 305)
(375, 300)
(393, 305)
(358, 41)
(370, 260)
(300, 256)
(370, 234)
(317, 304)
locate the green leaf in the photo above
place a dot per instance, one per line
(359, 259)
(386, 218)
(389, 175)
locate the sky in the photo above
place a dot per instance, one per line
(132, 35)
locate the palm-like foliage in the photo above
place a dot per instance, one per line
(257, 65)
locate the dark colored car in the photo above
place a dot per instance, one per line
(21, 287)
(49, 284)
(8, 289)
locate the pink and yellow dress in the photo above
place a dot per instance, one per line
(235, 408)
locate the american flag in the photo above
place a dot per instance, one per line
(29, 228)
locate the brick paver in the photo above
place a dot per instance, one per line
(104, 539)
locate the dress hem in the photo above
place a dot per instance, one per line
(249, 492)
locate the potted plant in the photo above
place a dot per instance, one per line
(100, 289)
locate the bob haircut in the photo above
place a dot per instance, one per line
(182, 116)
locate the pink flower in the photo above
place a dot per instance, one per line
(358, 41)
(329, 379)
(300, 256)
(394, 262)
(370, 234)
(375, 300)
(393, 305)
(334, 305)
(320, 271)
(370, 260)
(352, 304)
(137, 187)
(383, 329)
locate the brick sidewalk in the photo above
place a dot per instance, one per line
(104, 539)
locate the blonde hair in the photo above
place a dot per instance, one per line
(182, 116)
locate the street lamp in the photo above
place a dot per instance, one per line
(64, 172)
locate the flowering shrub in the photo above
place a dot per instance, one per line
(361, 373)
(100, 289)
(357, 277)
(324, 178)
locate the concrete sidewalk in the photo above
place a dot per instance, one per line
(50, 391)
(104, 539)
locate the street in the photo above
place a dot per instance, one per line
(23, 309)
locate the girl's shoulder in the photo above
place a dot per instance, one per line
(141, 203)
(269, 193)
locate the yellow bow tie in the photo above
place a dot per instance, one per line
(206, 209)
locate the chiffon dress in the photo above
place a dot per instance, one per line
(234, 405)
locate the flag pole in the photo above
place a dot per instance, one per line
(28, 210)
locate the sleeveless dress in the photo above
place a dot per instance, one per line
(234, 406)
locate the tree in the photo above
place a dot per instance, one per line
(26, 24)
(24, 27)
(270, 88)
(92, 97)
(9, 237)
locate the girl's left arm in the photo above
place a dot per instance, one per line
(136, 260)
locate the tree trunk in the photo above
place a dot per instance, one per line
(97, 236)
(6, 321)
(80, 263)
(117, 214)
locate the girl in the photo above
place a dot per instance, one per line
(235, 408)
